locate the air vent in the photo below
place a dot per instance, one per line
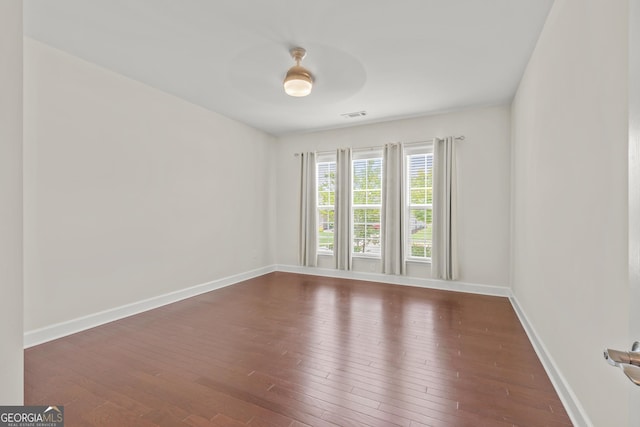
(354, 114)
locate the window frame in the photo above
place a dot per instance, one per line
(421, 149)
(324, 158)
(368, 154)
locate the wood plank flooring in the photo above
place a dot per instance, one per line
(295, 350)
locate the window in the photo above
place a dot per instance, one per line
(419, 200)
(366, 225)
(326, 192)
(366, 203)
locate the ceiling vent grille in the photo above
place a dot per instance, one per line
(354, 115)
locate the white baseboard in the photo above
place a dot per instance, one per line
(59, 330)
(570, 401)
(473, 288)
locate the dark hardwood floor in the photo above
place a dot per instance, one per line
(295, 350)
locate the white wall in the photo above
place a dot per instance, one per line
(634, 189)
(11, 359)
(484, 185)
(570, 198)
(131, 193)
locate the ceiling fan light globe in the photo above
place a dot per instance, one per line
(298, 81)
(296, 87)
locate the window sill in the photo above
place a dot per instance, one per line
(418, 261)
(408, 261)
(364, 256)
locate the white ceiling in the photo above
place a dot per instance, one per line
(394, 59)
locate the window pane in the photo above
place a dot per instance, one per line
(420, 198)
(367, 174)
(358, 238)
(374, 197)
(420, 231)
(374, 175)
(366, 231)
(416, 169)
(326, 219)
(373, 216)
(326, 223)
(359, 175)
(326, 184)
(325, 198)
(326, 176)
(359, 197)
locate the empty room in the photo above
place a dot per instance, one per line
(332, 213)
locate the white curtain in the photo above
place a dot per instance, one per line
(444, 259)
(308, 214)
(393, 221)
(342, 228)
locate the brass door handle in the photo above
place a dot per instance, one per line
(628, 361)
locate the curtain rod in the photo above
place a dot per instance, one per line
(457, 138)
